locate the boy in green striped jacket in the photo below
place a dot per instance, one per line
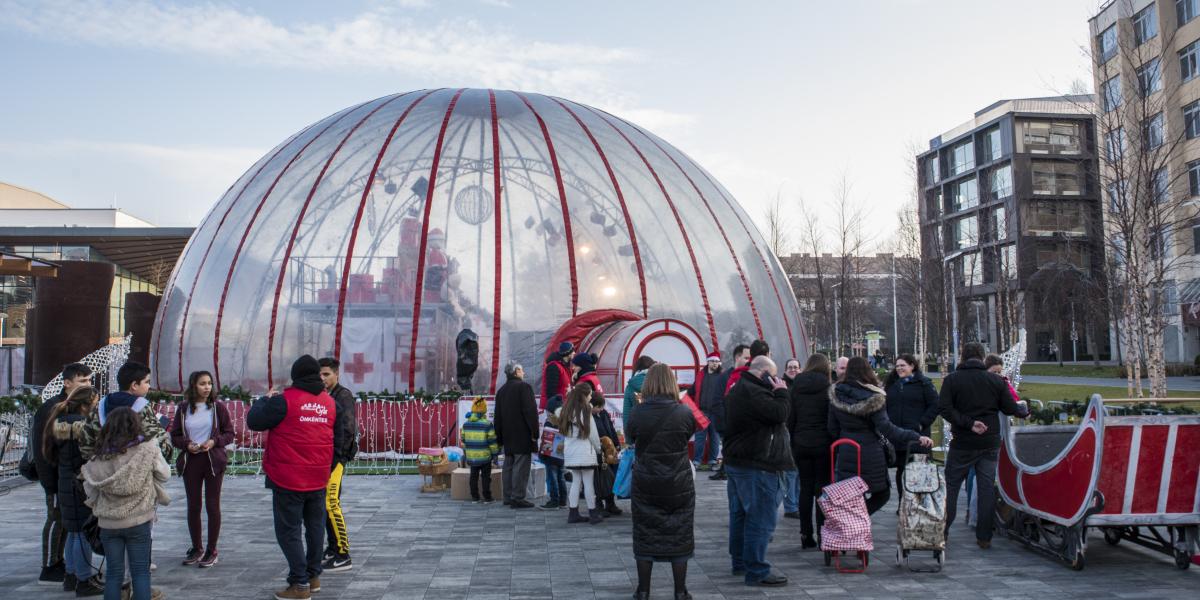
(479, 443)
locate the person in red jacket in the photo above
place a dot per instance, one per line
(556, 376)
(296, 461)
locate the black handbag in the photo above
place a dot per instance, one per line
(91, 533)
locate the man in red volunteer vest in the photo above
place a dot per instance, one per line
(299, 450)
(556, 376)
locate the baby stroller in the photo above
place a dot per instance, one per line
(847, 525)
(922, 512)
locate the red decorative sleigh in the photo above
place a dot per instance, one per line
(1136, 477)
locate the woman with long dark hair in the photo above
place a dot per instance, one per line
(64, 430)
(201, 430)
(808, 424)
(857, 410)
(912, 403)
(664, 489)
(581, 444)
(124, 482)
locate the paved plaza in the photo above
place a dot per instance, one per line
(412, 545)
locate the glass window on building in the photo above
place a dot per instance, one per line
(1110, 94)
(1170, 298)
(1194, 178)
(1071, 253)
(1114, 144)
(1000, 223)
(1191, 120)
(1152, 132)
(933, 204)
(966, 231)
(1195, 239)
(1145, 24)
(1189, 61)
(1051, 137)
(1150, 77)
(1118, 196)
(1001, 180)
(962, 157)
(1186, 10)
(931, 170)
(991, 140)
(1106, 44)
(1044, 219)
(966, 194)
(970, 270)
(1008, 261)
(1054, 178)
(1160, 183)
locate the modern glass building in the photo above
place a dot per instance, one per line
(389, 230)
(1010, 221)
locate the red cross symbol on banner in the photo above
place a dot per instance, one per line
(401, 366)
(358, 367)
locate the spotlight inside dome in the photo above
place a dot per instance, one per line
(390, 187)
(420, 187)
(529, 222)
(597, 218)
(626, 250)
(609, 291)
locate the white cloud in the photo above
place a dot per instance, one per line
(164, 185)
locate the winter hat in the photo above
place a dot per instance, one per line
(565, 348)
(479, 406)
(585, 361)
(306, 375)
(714, 355)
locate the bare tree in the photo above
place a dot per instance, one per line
(778, 226)
(1148, 207)
(812, 240)
(851, 242)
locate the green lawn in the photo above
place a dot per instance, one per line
(1080, 370)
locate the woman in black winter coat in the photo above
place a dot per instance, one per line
(912, 403)
(61, 448)
(808, 423)
(857, 411)
(664, 492)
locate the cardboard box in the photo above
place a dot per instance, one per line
(460, 484)
(436, 483)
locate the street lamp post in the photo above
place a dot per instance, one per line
(837, 331)
(895, 320)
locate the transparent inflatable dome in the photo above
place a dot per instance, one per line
(397, 233)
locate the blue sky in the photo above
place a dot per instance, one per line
(157, 107)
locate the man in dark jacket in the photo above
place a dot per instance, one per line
(53, 534)
(741, 361)
(345, 446)
(758, 457)
(517, 432)
(971, 400)
(711, 399)
(296, 461)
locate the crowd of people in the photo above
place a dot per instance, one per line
(103, 465)
(103, 461)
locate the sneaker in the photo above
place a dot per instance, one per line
(807, 541)
(984, 544)
(69, 582)
(91, 587)
(153, 567)
(771, 580)
(53, 575)
(549, 505)
(337, 564)
(522, 504)
(489, 501)
(210, 559)
(792, 515)
(718, 476)
(329, 553)
(294, 592)
(157, 594)
(193, 556)
(475, 501)
(314, 585)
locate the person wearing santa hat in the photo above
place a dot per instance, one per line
(710, 395)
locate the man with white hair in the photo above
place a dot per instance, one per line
(839, 368)
(758, 457)
(516, 422)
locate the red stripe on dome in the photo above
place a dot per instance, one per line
(362, 203)
(637, 254)
(562, 200)
(496, 191)
(204, 258)
(687, 242)
(242, 243)
(419, 293)
(720, 228)
(287, 253)
(767, 268)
